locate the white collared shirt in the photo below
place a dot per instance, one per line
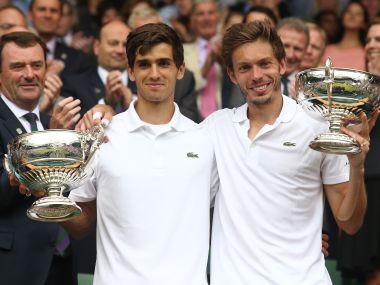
(51, 48)
(19, 113)
(153, 197)
(268, 211)
(103, 74)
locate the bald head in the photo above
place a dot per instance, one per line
(110, 47)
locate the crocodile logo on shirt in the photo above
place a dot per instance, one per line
(290, 144)
(192, 155)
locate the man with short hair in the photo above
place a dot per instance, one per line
(45, 16)
(150, 192)
(108, 82)
(202, 57)
(268, 210)
(315, 48)
(294, 35)
(26, 246)
(11, 17)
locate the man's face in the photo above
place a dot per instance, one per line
(314, 50)
(66, 21)
(9, 19)
(110, 48)
(156, 74)
(257, 72)
(295, 46)
(22, 74)
(205, 20)
(372, 47)
(45, 15)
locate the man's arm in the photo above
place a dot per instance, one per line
(348, 201)
(81, 225)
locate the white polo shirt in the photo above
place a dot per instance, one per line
(268, 211)
(153, 200)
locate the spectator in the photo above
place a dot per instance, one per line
(45, 16)
(329, 21)
(348, 52)
(259, 13)
(66, 33)
(27, 247)
(294, 35)
(202, 57)
(10, 17)
(315, 48)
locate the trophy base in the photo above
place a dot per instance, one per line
(53, 209)
(335, 143)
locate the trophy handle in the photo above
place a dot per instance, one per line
(91, 141)
(7, 165)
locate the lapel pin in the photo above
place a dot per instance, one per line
(19, 131)
(64, 56)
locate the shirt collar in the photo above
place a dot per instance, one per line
(202, 43)
(103, 74)
(177, 123)
(288, 110)
(51, 48)
(17, 111)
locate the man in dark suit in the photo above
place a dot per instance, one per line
(26, 246)
(108, 82)
(45, 16)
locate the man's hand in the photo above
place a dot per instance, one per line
(51, 92)
(99, 114)
(66, 114)
(116, 91)
(81, 42)
(23, 189)
(54, 66)
(360, 134)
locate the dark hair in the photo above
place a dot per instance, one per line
(21, 39)
(142, 39)
(60, 5)
(261, 9)
(363, 30)
(240, 34)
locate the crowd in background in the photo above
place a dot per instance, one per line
(87, 66)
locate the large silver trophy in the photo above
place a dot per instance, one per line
(339, 95)
(53, 161)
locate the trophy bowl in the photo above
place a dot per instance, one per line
(337, 95)
(53, 161)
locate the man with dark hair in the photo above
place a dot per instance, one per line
(150, 192)
(268, 210)
(26, 246)
(259, 13)
(45, 16)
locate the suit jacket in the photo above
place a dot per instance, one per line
(26, 246)
(75, 61)
(372, 165)
(89, 88)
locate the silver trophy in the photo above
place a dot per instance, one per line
(339, 95)
(54, 161)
